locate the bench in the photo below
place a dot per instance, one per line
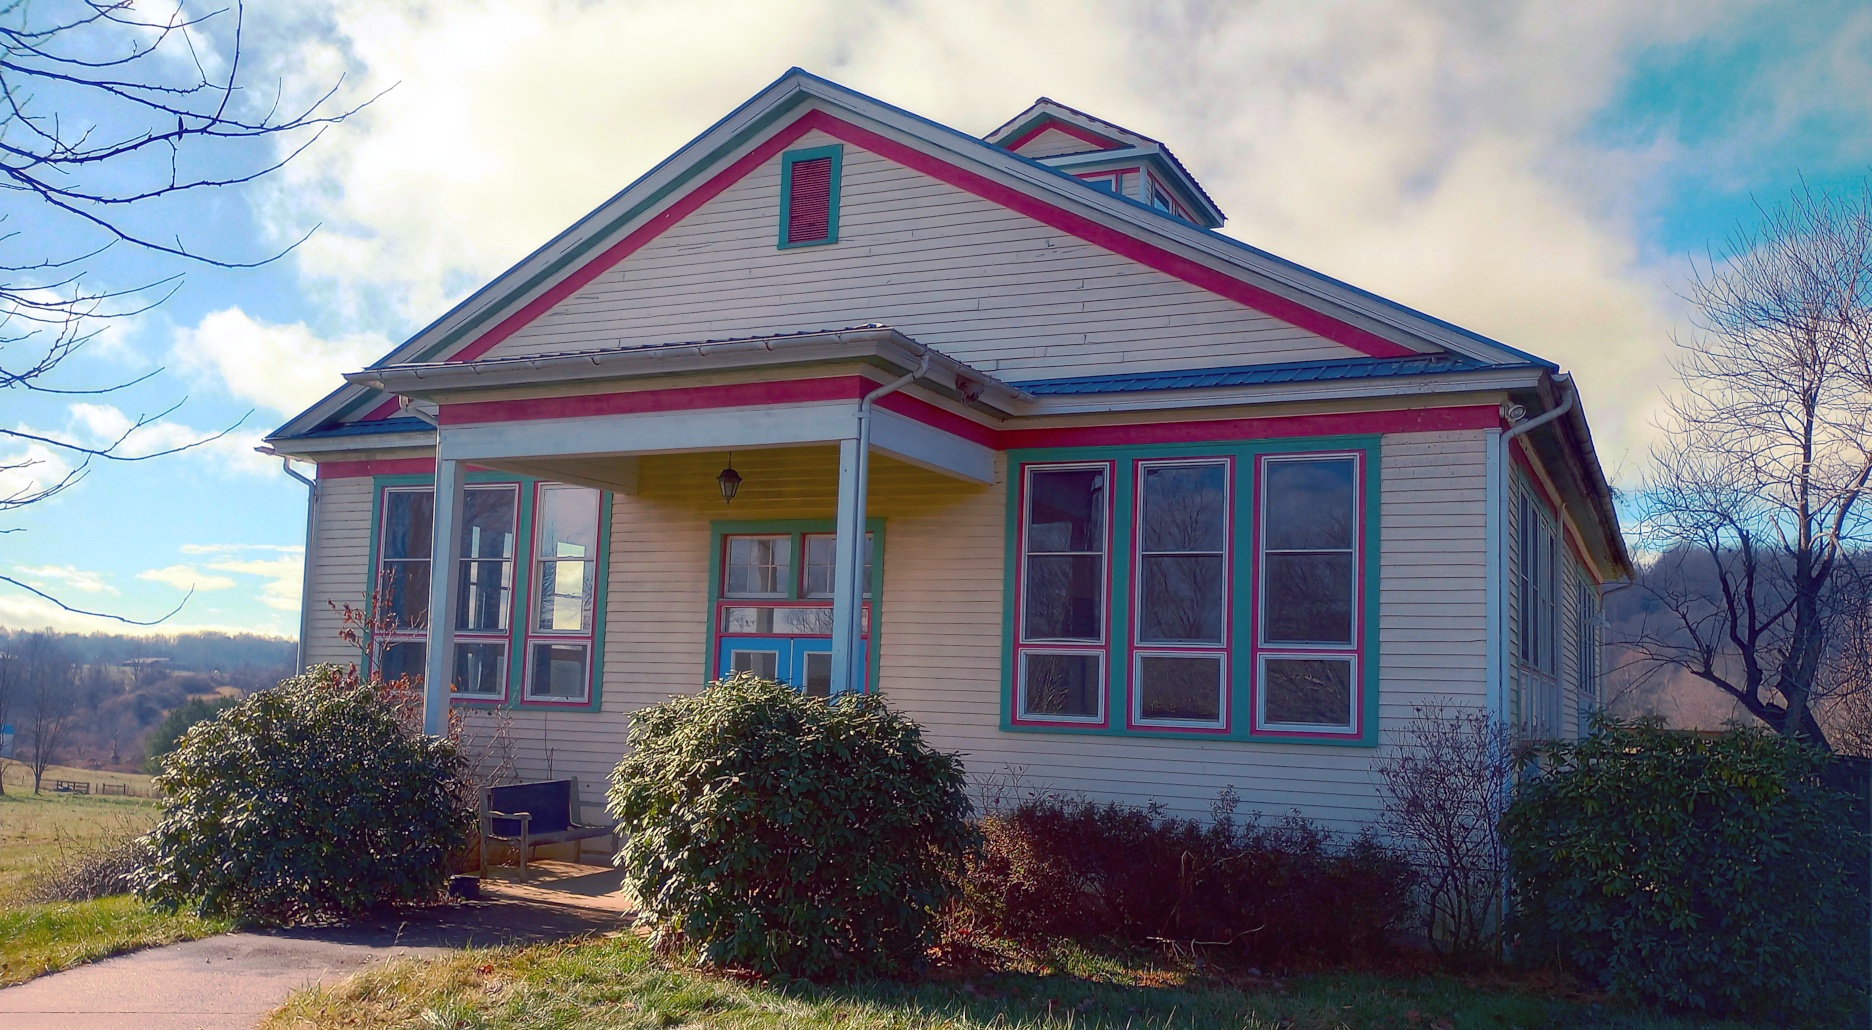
(529, 814)
(71, 787)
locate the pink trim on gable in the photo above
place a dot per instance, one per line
(689, 398)
(1080, 133)
(1043, 211)
(1415, 420)
(383, 411)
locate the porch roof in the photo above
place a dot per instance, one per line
(873, 344)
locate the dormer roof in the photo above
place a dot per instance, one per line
(1108, 156)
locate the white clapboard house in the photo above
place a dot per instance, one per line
(1000, 427)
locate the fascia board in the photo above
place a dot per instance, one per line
(889, 348)
(296, 448)
(1443, 384)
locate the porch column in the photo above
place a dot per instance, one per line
(444, 583)
(848, 668)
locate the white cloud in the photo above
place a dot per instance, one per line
(186, 577)
(1440, 154)
(232, 450)
(284, 368)
(282, 576)
(31, 470)
(68, 577)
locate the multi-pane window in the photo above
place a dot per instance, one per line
(484, 602)
(1589, 641)
(1538, 608)
(1307, 632)
(403, 559)
(758, 566)
(1180, 612)
(1064, 553)
(565, 567)
(1538, 567)
(817, 573)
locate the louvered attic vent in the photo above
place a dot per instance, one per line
(809, 197)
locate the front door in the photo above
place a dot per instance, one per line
(773, 608)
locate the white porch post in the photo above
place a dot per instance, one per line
(444, 579)
(848, 672)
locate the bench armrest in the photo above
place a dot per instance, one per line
(488, 817)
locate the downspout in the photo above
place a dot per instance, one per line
(855, 547)
(305, 575)
(1503, 461)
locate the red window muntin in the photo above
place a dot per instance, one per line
(1350, 652)
(809, 201)
(1218, 649)
(1039, 658)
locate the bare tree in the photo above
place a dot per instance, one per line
(1761, 488)
(107, 113)
(49, 699)
(1445, 789)
(9, 688)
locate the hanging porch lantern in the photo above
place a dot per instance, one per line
(729, 480)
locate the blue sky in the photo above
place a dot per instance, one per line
(1538, 172)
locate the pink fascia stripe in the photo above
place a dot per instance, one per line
(1410, 420)
(376, 467)
(1045, 212)
(1077, 132)
(689, 398)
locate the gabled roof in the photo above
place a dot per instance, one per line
(1103, 139)
(798, 102)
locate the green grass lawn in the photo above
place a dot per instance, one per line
(37, 832)
(615, 982)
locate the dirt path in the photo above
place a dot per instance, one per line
(233, 980)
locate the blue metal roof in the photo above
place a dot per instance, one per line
(1252, 375)
(379, 427)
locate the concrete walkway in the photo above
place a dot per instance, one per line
(233, 980)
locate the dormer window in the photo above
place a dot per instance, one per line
(809, 196)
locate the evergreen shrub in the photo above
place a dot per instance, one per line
(311, 800)
(1711, 872)
(789, 835)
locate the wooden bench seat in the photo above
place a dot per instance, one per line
(530, 814)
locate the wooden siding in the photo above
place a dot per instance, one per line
(982, 283)
(941, 629)
(1053, 143)
(341, 566)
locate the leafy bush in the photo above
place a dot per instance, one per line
(168, 732)
(786, 834)
(1701, 871)
(305, 801)
(1284, 895)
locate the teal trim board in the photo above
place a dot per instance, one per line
(836, 154)
(522, 586)
(1240, 640)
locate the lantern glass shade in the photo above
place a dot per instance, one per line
(730, 482)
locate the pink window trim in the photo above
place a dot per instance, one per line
(532, 636)
(1102, 647)
(1256, 650)
(1136, 647)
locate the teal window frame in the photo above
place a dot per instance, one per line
(797, 530)
(520, 606)
(1244, 608)
(792, 157)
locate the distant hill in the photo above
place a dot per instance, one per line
(129, 684)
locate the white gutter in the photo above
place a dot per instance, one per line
(1500, 468)
(305, 575)
(849, 667)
